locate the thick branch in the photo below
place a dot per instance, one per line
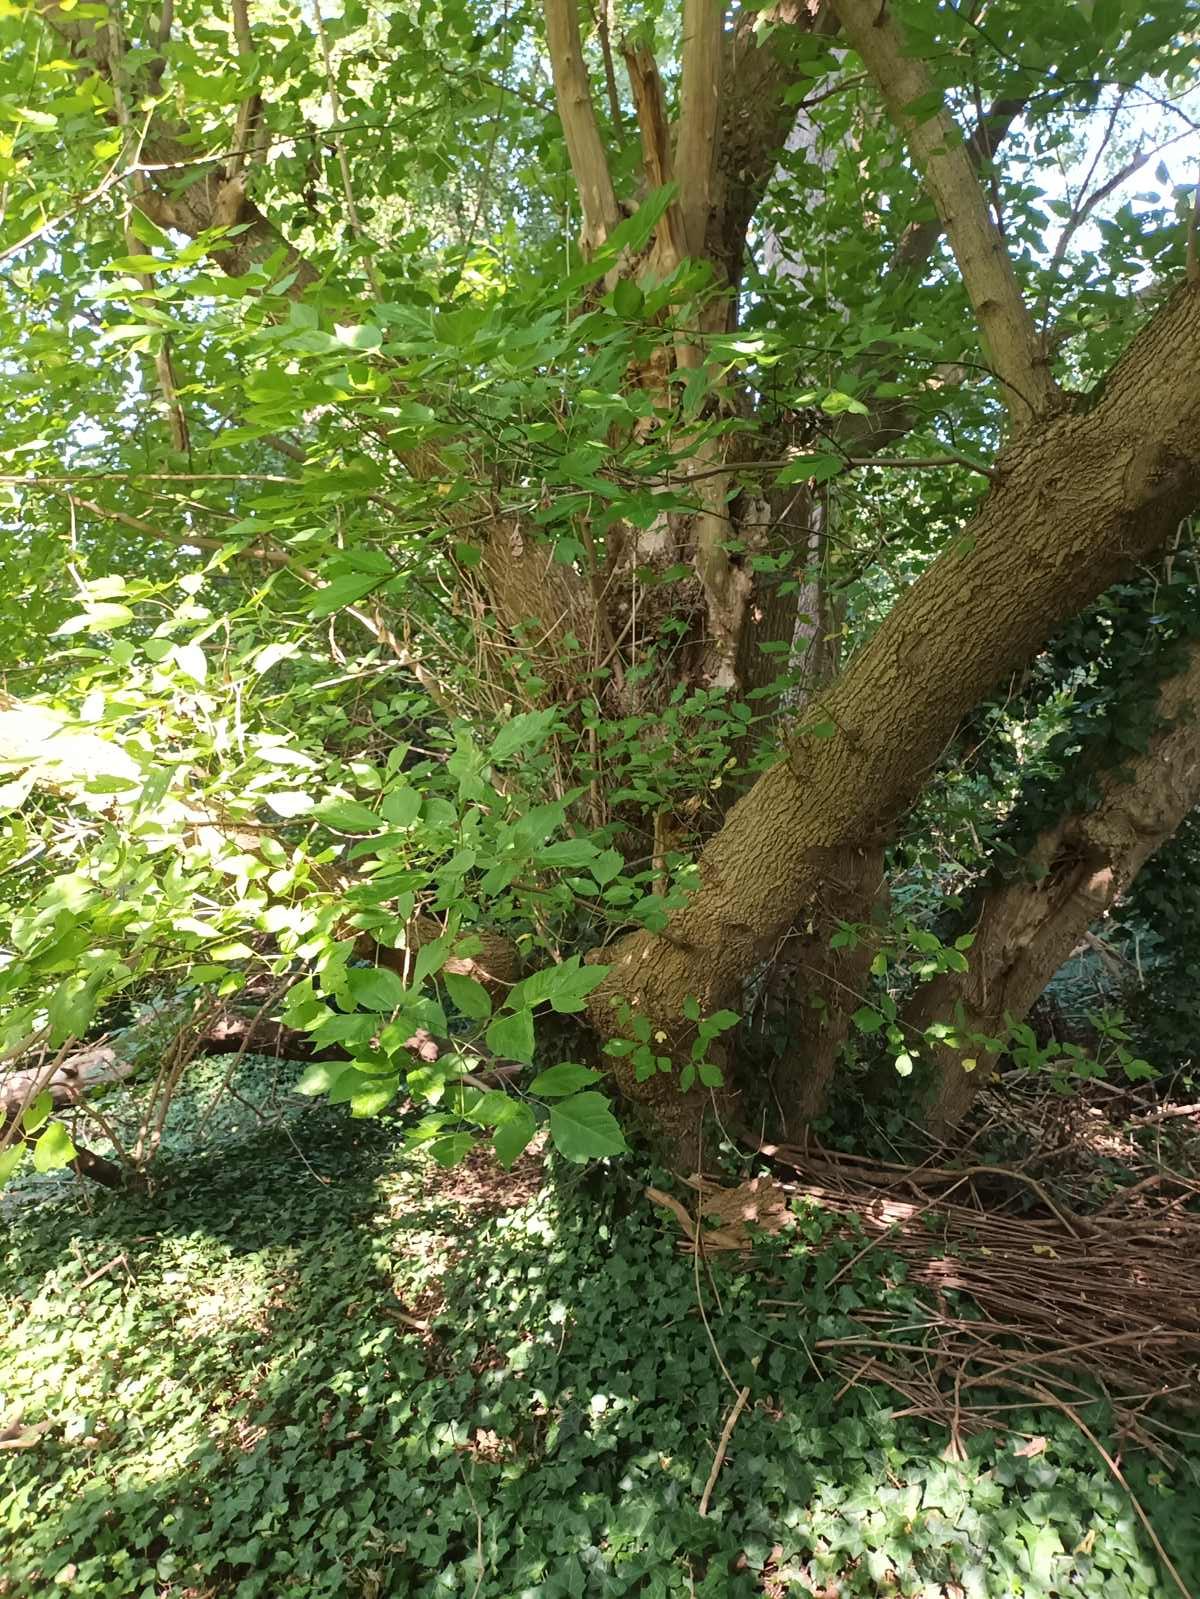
(1073, 504)
(1005, 322)
(650, 104)
(589, 163)
(1029, 927)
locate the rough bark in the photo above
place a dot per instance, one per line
(819, 986)
(1074, 874)
(1072, 504)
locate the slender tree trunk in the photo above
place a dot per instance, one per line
(1074, 874)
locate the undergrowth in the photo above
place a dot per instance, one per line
(304, 1366)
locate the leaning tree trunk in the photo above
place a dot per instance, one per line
(1072, 504)
(1074, 874)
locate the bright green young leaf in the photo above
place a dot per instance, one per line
(37, 1114)
(10, 1159)
(53, 1149)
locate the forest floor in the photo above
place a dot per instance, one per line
(304, 1365)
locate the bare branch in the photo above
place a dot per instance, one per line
(699, 117)
(589, 163)
(604, 30)
(1005, 322)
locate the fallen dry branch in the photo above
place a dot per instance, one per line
(1079, 1305)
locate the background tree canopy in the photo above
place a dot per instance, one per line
(569, 556)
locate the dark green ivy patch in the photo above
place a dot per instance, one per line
(240, 1404)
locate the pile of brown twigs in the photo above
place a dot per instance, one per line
(1051, 1296)
(1027, 1299)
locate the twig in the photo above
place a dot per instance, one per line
(739, 1405)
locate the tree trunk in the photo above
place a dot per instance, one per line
(1072, 504)
(1074, 874)
(817, 986)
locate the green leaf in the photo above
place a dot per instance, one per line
(607, 866)
(471, 997)
(512, 1037)
(341, 592)
(512, 1135)
(71, 1008)
(377, 988)
(584, 1128)
(867, 1019)
(520, 732)
(564, 987)
(53, 1149)
(565, 1078)
(628, 299)
(569, 852)
(375, 1097)
(191, 661)
(448, 1151)
(347, 816)
(432, 956)
(38, 1113)
(319, 1077)
(102, 618)
(10, 1159)
(401, 807)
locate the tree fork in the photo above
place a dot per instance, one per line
(1071, 506)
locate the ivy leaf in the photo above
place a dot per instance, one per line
(584, 1128)
(565, 1078)
(512, 1037)
(53, 1149)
